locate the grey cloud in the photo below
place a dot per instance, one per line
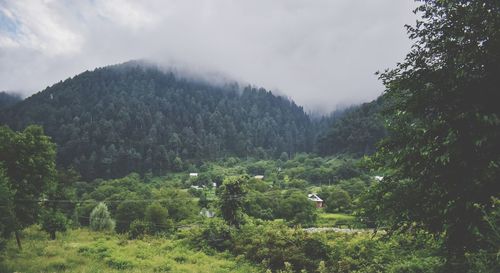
(320, 53)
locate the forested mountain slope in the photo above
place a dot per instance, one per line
(8, 99)
(135, 117)
(356, 131)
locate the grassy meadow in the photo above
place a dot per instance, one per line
(84, 251)
(326, 219)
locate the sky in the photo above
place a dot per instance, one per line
(322, 54)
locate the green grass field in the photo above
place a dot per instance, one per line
(334, 219)
(84, 251)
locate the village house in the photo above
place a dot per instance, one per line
(193, 174)
(378, 178)
(260, 177)
(317, 201)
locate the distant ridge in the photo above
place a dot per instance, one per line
(138, 117)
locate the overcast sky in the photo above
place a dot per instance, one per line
(321, 53)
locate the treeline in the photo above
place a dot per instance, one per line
(355, 132)
(135, 117)
(8, 99)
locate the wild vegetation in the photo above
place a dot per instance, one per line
(426, 201)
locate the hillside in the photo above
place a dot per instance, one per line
(8, 99)
(135, 117)
(356, 131)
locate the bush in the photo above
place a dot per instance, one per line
(127, 212)
(336, 199)
(157, 218)
(297, 209)
(100, 219)
(274, 244)
(53, 221)
(119, 263)
(138, 228)
(214, 233)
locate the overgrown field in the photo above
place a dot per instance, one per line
(82, 250)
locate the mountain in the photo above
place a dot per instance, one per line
(354, 131)
(138, 117)
(8, 99)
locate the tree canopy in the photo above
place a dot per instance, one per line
(28, 162)
(444, 126)
(138, 118)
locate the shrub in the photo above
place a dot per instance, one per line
(138, 228)
(126, 213)
(214, 233)
(335, 199)
(119, 263)
(53, 221)
(100, 219)
(157, 218)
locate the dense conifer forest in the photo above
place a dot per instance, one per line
(137, 117)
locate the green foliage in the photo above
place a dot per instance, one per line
(100, 219)
(231, 199)
(158, 219)
(127, 212)
(262, 205)
(355, 132)
(354, 186)
(335, 220)
(274, 244)
(214, 233)
(83, 211)
(81, 251)
(179, 204)
(335, 199)
(137, 118)
(6, 208)
(53, 221)
(444, 127)
(28, 162)
(138, 228)
(296, 208)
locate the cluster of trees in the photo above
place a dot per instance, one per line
(135, 117)
(137, 207)
(33, 191)
(355, 131)
(27, 174)
(279, 248)
(444, 129)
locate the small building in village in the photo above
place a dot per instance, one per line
(260, 177)
(193, 174)
(317, 201)
(378, 178)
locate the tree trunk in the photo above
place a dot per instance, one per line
(455, 263)
(458, 238)
(52, 235)
(18, 240)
